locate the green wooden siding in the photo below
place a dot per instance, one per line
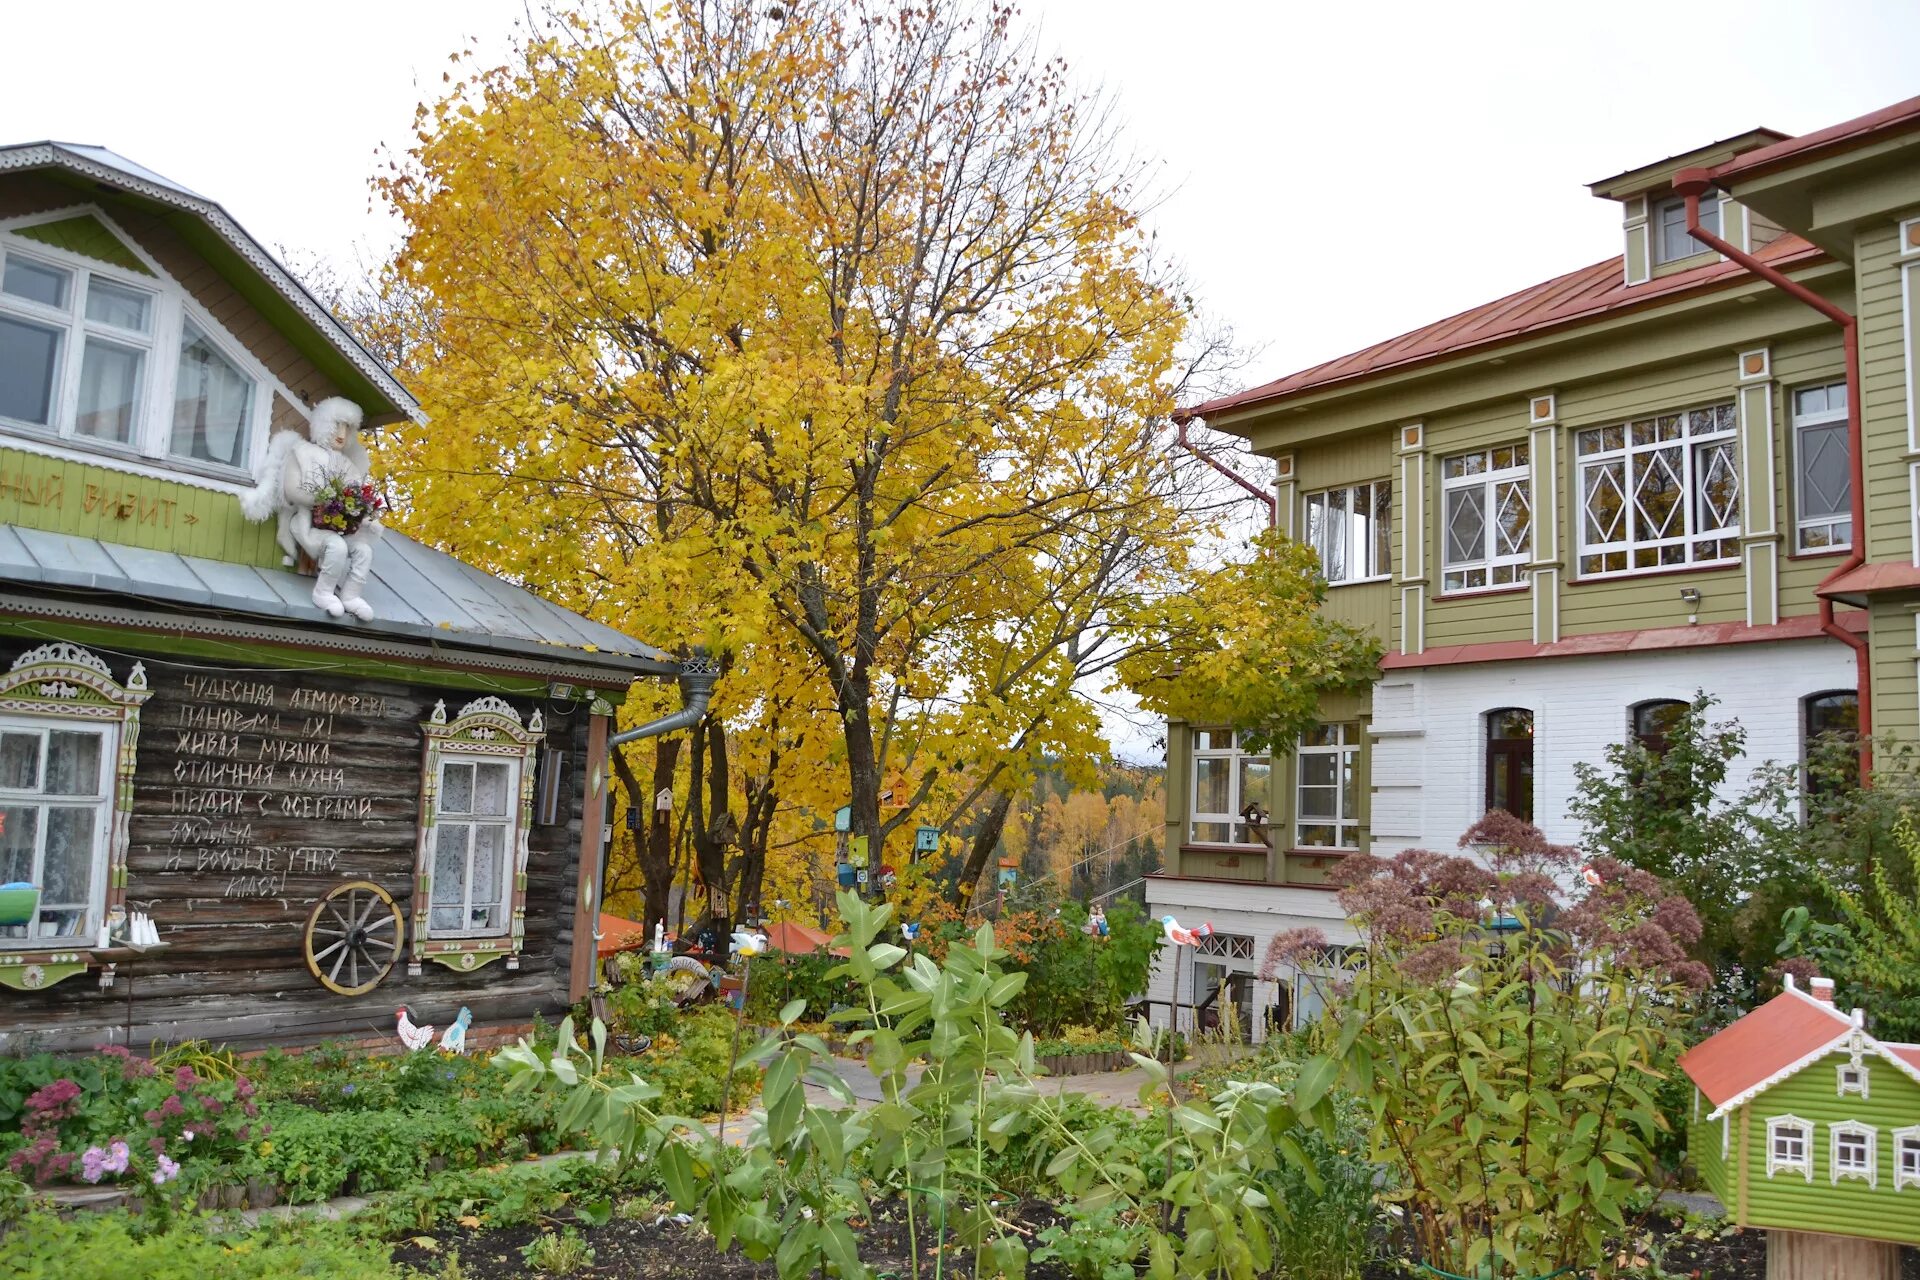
(1896, 691)
(67, 495)
(1703, 1147)
(1849, 1207)
(1883, 363)
(1364, 604)
(88, 237)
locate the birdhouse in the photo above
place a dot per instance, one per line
(1808, 1126)
(926, 840)
(844, 875)
(843, 818)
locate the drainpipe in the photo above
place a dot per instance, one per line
(698, 675)
(1692, 183)
(1272, 503)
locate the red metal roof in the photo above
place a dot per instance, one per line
(1907, 1053)
(1564, 301)
(1780, 1033)
(620, 934)
(1652, 638)
(1869, 579)
(796, 939)
(1897, 118)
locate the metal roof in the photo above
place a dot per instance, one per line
(1898, 118)
(116, 170)
(417, 593)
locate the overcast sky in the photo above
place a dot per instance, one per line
(1336, 173)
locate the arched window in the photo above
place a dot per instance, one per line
(1509, 753)
(1829, 726)
(1655, 721)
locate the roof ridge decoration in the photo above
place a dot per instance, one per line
(42, 154)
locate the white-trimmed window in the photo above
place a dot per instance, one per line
(1822, 478)
(475, 833)
(1351, 528)
(1853, 1153)
(1671, 239)
(1327, 791)
(1906, 1157)
(1853, 1079)
(1226, 779)
(55, 791)
(1790, 1146)
(1659, 493)
(1487, 519)
(108, 359)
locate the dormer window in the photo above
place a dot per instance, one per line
(1853, 1079)
(1671, 240)
(110, 359)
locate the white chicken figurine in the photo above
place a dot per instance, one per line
(1184, 937)
(747, 944)
(454, 1038)
(415, 1038)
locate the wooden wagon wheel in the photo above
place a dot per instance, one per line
(353, 938)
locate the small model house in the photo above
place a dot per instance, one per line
(1805, 1123)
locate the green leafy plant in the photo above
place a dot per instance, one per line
(1102, 1243)
(562, 1253)
(1872, 950)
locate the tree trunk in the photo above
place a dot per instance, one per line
(713, 829)
(1802, 1255)
(654, 850)
(986, 839)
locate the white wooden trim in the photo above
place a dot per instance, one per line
(1842, 1088)
(1900, 1137)
(1853, 1129)
(1804, 1165)
(1909, 348)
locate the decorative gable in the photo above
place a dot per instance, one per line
(87, 236)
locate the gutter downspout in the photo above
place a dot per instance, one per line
(698, 675)
(1272, 503)
(1692, 183)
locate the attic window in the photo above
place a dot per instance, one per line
(1790, 1146)
(1671, 240)
(1853, 1155)
(1853, 1079)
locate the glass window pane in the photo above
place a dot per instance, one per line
(29, 355)
(1466, 525)
(20, 761)
(35, 281)
(109, 391)
(489, 862)
(19, 825)
(450, 863)
(1349, 779)
(212, 403)
(490, 790)
(456, 788)
(1317, 769)
(1213, 832)
(68, 865)
(1333, 551)
(1211, 781)
(1382, 528)
(73, 764)
(1256, 774)
(1826, 487)
(119, 306)
(1318, 836)
(1513, 518)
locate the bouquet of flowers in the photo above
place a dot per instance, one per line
(344, 507)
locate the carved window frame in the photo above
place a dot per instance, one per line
(63, 682)
(1777, 1163)
(485, 729)
(1906, 1142)
(1869, 1138)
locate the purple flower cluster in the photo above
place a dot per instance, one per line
(101, 1161)
(344, 507)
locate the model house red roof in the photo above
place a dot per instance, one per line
(1899, 117)
(620, 934)
(1907, 1053)
(1765, 1045)
(1572, 299)
(796, 939)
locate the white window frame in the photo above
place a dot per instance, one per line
(1376, 565)
(1803, 525)
(1776, 1163)
(1593, 455)
(509, 826)
(150, 450)
(1345, 751)
(101, 801)
(1496, 570)
(1845, 1129)
(1656, 227)
(1239, 836)
(1858, 1085)
(1906, 1157)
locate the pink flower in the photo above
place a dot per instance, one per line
(116, 1161)
(167, 1172)
(93, 1164)
(184, 1078)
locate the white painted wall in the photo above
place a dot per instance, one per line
(1428, 759)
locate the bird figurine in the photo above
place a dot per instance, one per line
(454, 1038)
(1591, 876)
(1184, 937)
(747, 943)
(415, 1038)
(910, 931)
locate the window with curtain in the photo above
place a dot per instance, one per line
(55, 781)
(1659, 493)
(1509, 761)
(1487, 519)
(1350, 528)
(74, 350)
(1327, 790)
(212, 404)
(1822, 478)
(474, 836)
(1226, 779)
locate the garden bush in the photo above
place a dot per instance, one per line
(96, 1246)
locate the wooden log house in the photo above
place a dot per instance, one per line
(321, 819)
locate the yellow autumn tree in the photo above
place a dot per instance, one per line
(826, 336)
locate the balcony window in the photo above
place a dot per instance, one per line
(1671, 239)
(1327, 798)
(1822, 480)
(1488, 516)
(1659, 493)
(1350, 527)
(1226, 779)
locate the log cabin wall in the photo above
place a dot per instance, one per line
(255, 793)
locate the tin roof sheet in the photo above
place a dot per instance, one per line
(417, 593)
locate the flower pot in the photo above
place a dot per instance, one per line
(18, 903)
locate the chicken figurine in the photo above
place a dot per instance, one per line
(748, 944)
(415, 1038)
(454, 1038)
(1184, 937)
